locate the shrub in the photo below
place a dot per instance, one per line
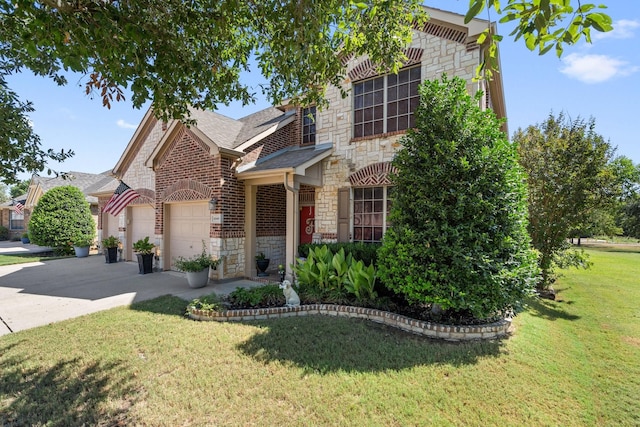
(4, 233)
(458, 233)
(269, 295)
(61, 216)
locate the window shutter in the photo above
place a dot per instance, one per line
(343, 214)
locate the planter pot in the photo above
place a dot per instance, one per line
(111, 255)
(198, 279)
(81, 251)
(25, 240)
(262, 267)
(145, 263)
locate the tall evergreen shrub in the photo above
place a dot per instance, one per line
(458, 236)
(61, 217)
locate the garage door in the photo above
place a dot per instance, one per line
(188, 227)
(110, 225)
(143, 220)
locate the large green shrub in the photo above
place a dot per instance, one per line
(458, 236)
(61, 217)
(4, 233)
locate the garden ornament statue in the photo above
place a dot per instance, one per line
(293, 300)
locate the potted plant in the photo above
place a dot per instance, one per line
(144, 252)
(262, 263)
(25, 238)
(197, 267)
(110, 246)
(81, 245)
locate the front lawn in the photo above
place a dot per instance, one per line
(25, 258)
(570, 362)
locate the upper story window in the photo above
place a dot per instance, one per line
(309, 125)
(386, 104)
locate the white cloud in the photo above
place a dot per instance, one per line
(595, 68)
(124, 125)
(623, 29)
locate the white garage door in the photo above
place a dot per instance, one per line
(143, 220)
(188, 227)
(110, 225)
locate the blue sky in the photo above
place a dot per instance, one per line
(600, 80)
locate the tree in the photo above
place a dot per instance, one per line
(61, 217)
(458, 233)
(567, 176)
(3, 193)
(179, 54)
(20, 188)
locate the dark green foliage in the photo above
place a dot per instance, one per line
(365, 252)
(4, 233)
(630, 218)
(568, 179)
(61, 217)
(269, 295)
(458, 236)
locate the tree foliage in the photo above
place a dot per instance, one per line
(458, 221)
(19, 188)
(180, 54)
(568, 178)
(61, 217)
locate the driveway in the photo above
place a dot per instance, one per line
(40, 293)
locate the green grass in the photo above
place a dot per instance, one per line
(24, 258)
(572, 362)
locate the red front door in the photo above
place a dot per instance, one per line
(307, 218)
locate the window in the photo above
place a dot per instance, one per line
(309, 125)
(386, 104)
(371, 206)
(16, 221)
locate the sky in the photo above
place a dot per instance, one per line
(599, 80)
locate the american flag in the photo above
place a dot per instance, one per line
(120, 199)
(18, 208)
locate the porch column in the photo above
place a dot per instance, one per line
(293, 221)
(250, 192)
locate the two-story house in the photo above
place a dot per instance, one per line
(287, 175)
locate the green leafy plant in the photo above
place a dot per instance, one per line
(61, 214)
(110, 242)
(361, 280)
(197, 262)
(269, 295)
(4, 233)
(82, 241)
(260, 256)
(143, 246)
(210, 302)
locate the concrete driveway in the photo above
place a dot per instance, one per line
(40, 293)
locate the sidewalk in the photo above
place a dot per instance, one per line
(39, 293)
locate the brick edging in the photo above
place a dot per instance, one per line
(432, 330)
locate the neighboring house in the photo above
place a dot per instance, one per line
(287, 175)
(11, 218)
(86, 182)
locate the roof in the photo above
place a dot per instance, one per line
(10, 203)
(293, 158)
(85, 182)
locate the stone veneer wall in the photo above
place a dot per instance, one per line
(335, 124)
(431, 330)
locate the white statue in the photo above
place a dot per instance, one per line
(293, 300)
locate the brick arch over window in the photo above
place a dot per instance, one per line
(147, 197)
(368, 69)
(186, 190)
(373, 175)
